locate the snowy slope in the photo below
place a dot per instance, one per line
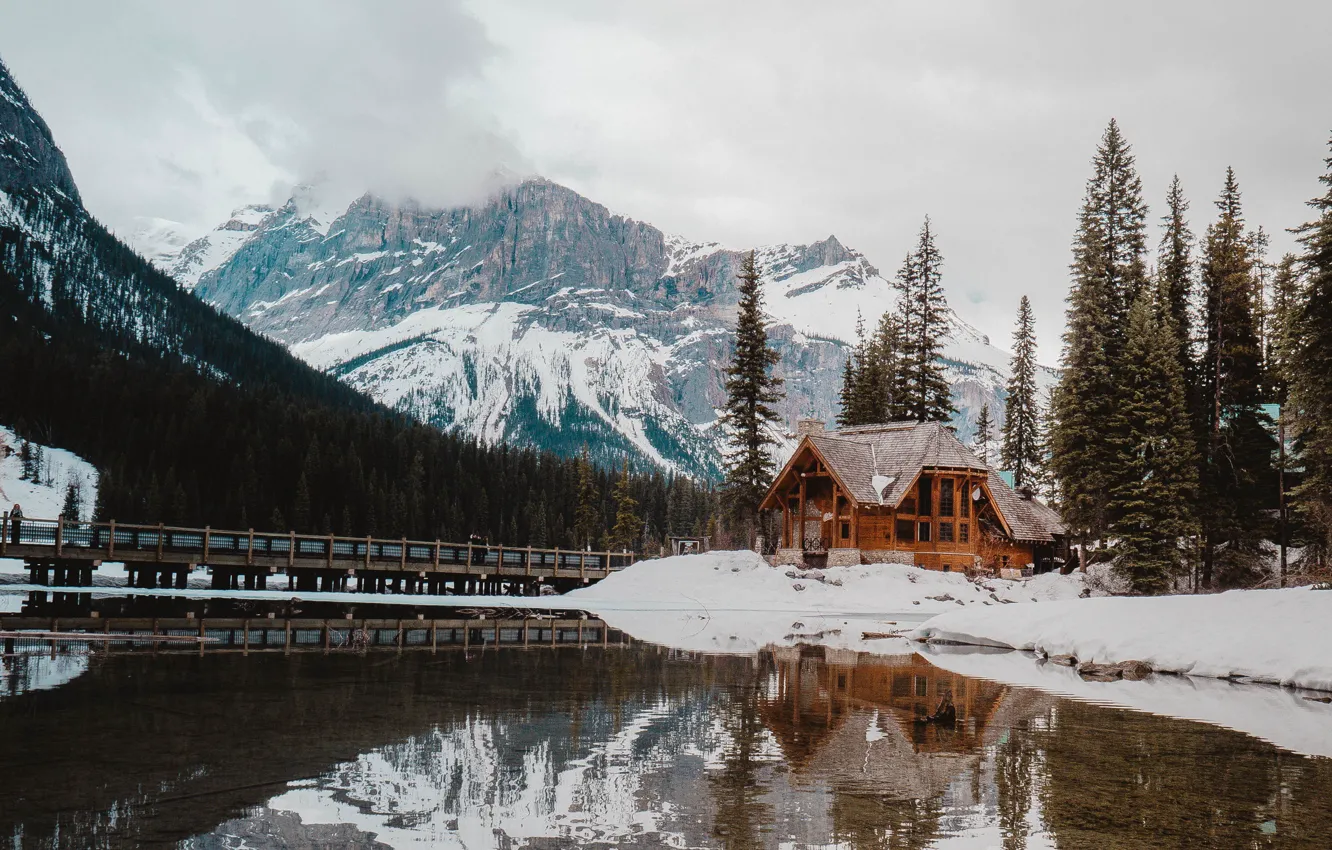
(540, 318)
(45, 499)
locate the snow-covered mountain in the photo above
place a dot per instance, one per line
(541, 318)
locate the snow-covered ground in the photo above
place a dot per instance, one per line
(59, 469)
(734, 602)
(1273, 636)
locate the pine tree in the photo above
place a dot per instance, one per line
(25, 460)
(984, 433)
(886, 384)
(539, 536)
(73, 507)
(923, 312)
(628, 524)
(751, 392)
(1236, 467)
(1153, 500)
(1310, 370)
(587, 515)
(1021, 449)
(1108, 272)
(846, 399)
(301, 506)
(1174, 269)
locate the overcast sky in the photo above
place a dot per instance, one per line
(745, 123)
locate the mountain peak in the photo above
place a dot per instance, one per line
(29, 157)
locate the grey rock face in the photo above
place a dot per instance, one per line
(541, 317)
(29, 158)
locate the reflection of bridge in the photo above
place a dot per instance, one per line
(258, 634)
(65, 553)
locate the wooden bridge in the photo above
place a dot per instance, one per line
(64, 553)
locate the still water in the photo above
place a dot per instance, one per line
(615, 746)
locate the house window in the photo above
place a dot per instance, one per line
(846, 530)
(947, 567)
(945, 532)
(945, 497)
(926, 496)
(924, 532)
(965, 508)
(1005, 560)
(906, 531)
(922, 686)
(908, 505)
(963, 532)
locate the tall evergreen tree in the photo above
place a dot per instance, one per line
(923, 312)
(1237, 457)
(984, 433)
(1153, 500)
(628, 529)
(1021, 452)
(846, 399)
(1310, 370)
(751, 392)
(1175, 272)
(1108, 271)
(587, 515)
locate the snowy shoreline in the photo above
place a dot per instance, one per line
(1278, 637)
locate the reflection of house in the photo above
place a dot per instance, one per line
(855, 725)
(905, 492)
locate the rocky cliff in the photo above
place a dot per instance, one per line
(540, 317)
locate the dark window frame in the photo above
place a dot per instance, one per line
(946, 500)
(946, 532)
(924, 532)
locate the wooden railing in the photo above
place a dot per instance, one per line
(111, 541)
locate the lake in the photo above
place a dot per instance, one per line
(613, 743)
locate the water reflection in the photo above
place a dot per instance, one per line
(622, 747)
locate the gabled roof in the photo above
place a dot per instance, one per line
(878, 464)
(897, 451)
(1029, 519)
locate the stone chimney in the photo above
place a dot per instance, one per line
(806, 427)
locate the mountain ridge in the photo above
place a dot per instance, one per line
(541, 311)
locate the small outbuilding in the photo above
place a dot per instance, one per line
(909, 493)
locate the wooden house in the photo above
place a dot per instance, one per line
(909, 493)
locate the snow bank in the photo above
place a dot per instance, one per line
(1280, 716)
(734, 602)
(1272, 636)
(59, 468)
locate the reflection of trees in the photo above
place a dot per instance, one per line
(1015, 763)
(1125, 780)
(868, 822)
(742, 816)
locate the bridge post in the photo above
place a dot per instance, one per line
(330, 550)
(4, 534)
(369, 544)
(249, 551)
(161, 537)
(60, 535)
(208, 533)
(291, 550)
(404, 554)
(111, 543)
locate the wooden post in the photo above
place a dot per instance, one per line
(245, 636)
(208, 532)
(4, 534)
(111, 544)
(499, 562)
(529, 560)
(161, 538)
(582, 564)
(291, 549)
(404, 553)
(557, 560)
(330, 551)
(369, 544)
(434, 644)
(800, 520)
(286, 641)
(436, 564)
(468, 568)
(60, 534)
(249, 552)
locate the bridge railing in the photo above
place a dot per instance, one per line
(73, 538)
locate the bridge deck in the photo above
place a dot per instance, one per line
(250, 552)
